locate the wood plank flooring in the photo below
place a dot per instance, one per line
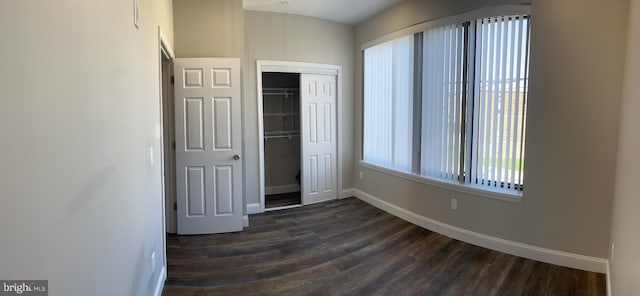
(348, 247)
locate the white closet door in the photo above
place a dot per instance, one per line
(319, 143)
(208, 144)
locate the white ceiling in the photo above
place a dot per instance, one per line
(351, 12)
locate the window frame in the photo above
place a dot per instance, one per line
(501, 192)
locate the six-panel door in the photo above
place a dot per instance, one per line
(318, 134)
(208, 145)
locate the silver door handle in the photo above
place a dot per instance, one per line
(236, 157)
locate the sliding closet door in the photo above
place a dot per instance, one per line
(319, 144)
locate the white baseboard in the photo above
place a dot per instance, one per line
(253, 208)
(245, 221)
(281, 189)
(160, 283)
(349, 192)
(510, 247)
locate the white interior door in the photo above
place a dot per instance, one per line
(208, 145)
(319, 144)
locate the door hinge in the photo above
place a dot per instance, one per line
(173, 80)
(175, 206)
(174, 145)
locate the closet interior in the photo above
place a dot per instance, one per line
(281, 118)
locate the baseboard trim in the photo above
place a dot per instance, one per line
(510, 247)
(253, 208)
(245, 221)
(281, 189)
(160, 282)
(346, 193)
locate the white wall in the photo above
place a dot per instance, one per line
(276, 36)
(80, 206)
(577, 56)
(625, 260)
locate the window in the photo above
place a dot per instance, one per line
(499, 102)
(468, 83)
(388, 123)
(442, 87)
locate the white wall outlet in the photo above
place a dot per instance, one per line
(361, 175)
(153, 261)
(454, 204)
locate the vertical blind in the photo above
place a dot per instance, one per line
(499, 101)
(388, 80)
(471, 98)
(442, 89)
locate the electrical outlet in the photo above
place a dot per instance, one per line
(454, 204)
(361, 176)
(153, 261)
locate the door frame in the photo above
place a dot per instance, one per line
(299, 68)
(164, 53)
(166, 125)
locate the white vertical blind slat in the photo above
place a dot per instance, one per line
(450, 103)
(477, 101)
(510, 103)
(450, 100)
(493, 128)
(524, 98)
(516, 93)
(503, 98)
(446, 62)
(487, 106)
(458, 103)
(474, 85)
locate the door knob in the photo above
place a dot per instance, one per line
(236, 157)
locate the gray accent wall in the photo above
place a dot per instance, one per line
(208, 28)
(624, 258)
(577, 59)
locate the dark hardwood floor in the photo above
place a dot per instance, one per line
(348, 247)
(282, 200)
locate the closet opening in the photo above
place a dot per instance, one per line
(299, 131)
(282, 145)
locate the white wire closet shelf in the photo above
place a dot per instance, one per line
(281, 113)
(281, 134)
(277, 91)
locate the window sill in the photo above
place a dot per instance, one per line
(466, 188)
